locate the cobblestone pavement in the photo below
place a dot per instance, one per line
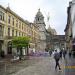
(44, 67)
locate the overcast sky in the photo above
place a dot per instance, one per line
(27, 9)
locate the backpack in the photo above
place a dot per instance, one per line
(56, 56)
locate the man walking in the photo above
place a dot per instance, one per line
(57, 58)
(50, 52)
(64, 53)
(60, 54)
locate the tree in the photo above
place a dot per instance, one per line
(20, 42)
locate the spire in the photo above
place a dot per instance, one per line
(49, 27)
(39, 10)
(8, 7)
(48, 17)
(8, 4)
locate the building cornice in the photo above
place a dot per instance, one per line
(10, 11)
(13, 13)
(2, 7)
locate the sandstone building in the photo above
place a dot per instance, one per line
(12, 25)
(39, 21)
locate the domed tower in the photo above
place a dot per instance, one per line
(39, 21)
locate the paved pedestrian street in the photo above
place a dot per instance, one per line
(43, 67)
(70, 66)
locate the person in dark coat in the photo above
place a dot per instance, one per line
(64, 53)
(57, 58)
(50, 52)
(60, 54)
(70, 54)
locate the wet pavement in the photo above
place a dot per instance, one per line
(46, 66)
(69, 66)
(38, 65)
(8, 68)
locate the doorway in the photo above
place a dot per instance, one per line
(9, 48)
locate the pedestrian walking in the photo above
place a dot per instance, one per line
(64, 53)
(70, 54)
(50, 52)
(57, 58)
(60, 54)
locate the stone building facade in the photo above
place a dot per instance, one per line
(49, 35)
(58, 42)
(73, 23)
(12, 25)
(39, 21)
(52, 31)
(68, 29)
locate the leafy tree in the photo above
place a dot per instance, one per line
(20, 42)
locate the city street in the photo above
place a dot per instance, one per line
(70, 66)
(38, 65)
(37, 37)
(43, 67)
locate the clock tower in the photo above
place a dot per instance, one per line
(39, 21)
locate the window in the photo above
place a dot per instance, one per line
(16, 33)
(16, 23)
(19, 34)
(8, 31)
(9, 19)
(0, 30)
(22, 26)
(13, 32)
(74, 19)
(19, 24)
(22, 34)
(1, 15)
(38, 19)
(13, 21)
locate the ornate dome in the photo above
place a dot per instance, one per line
(52, 31)
(39, 14)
